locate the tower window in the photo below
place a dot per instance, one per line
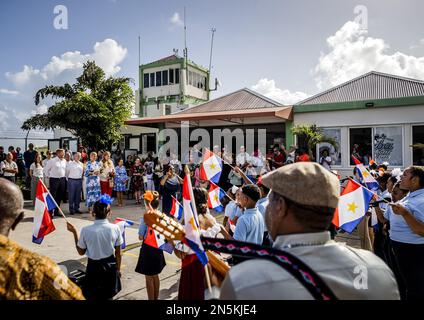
(177, 75)
(165, 77)
(158, 78)
(146, 80)
(171, 76)
(152, 79)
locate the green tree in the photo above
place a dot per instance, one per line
(311, 135)
(93, 109)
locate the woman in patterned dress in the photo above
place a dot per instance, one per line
(92, 173)
(137, 172)
(121, 179)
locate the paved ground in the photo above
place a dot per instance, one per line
(60, 247)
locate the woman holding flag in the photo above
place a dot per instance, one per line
(151, 260)
(171, 185)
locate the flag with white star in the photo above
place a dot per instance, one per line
(353, 204)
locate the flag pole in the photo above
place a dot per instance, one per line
(193, 204)
(373, 192)
(54, 201)
(219, 188)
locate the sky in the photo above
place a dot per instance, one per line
(286, 50)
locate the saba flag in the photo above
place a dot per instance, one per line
(43, 223)
(353, 204)
(123, 223)
(157, 240)
(211, 167)
(191, 224)
(366, 177)
(177, 209)
(214, 198)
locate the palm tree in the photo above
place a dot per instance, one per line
(312, 135)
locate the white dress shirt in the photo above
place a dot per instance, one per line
(6, 165)
(74, 170)
(56, 168)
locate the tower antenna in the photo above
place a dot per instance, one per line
(185, 45)
(210, 57)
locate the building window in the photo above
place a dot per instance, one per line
(177, 75)
(360, 144)
(167, 109)
(334, 152)
(158, 79)
(190, 78)
(171, 76)
(146, 80)
(165, 77)
(388, 146)
(152, 79)
(418, 142)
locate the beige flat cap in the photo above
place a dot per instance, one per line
(306, 183)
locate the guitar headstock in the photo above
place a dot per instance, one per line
(168, 227)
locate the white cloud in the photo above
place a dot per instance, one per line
(176, 20)
(7, 91)
(107, 54)
(267, 88)
(353, 53)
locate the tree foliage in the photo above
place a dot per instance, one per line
(312, 135)
(93, 109)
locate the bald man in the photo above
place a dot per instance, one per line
(27, 275)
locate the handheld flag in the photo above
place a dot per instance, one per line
(367, 178)
(211, 167)
(191, 223)
(353, 204)
(123, 223)
(157, 240)
(177, 209)
(215, 194)
(355, 160)
(43, 223)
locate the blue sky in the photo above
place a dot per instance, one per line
(286, 50)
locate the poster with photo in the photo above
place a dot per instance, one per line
(334, 153)
(388, 146)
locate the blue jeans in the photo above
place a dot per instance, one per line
(74, 189)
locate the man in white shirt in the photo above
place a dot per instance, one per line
(9, 168)
(242, 158)
(56, 171)
(74, 172)
(44, 162)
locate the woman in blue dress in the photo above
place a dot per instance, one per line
(92, 173)
(121, 179)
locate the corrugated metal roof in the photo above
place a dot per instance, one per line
(169, 58)
(370, 86)
(243, 99)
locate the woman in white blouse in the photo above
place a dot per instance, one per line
(36, 173)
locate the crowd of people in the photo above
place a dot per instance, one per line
(280, 200)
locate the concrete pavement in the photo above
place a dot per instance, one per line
(60, 246)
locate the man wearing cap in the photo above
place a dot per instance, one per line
(301, 206)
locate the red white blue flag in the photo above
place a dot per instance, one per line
(191, 223)
(353, 205)
(215, 196)
(211, 167)
(43, 223)
(177, 209)
(123, 223)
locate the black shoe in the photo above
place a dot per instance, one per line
(71, 213)
(78, 212)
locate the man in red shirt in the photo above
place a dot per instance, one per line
(278, 158)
